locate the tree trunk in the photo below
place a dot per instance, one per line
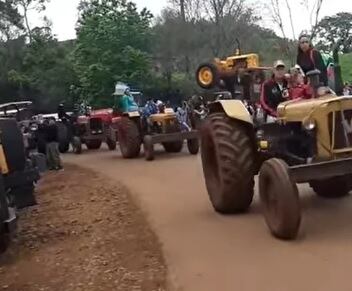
(183, 17)
(29, 31)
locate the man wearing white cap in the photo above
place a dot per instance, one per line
(275, 90)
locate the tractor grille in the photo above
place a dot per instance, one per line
(342, 138)
(96, 125)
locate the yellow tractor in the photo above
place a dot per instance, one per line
(238, 69)
(161, 128)
(310, 142)
(17, 178)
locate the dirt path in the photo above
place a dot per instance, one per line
(209, 252)
(85, 235)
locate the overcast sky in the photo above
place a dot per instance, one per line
(63, 14)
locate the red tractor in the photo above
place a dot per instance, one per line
(95, 129)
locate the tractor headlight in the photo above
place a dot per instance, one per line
(309, 124)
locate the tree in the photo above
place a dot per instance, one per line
(112, 45)
(335, 30)
(27, 6)
(10, 20)
(281, 9)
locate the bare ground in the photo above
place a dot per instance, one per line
(85, 234)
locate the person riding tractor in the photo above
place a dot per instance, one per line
(126, 103)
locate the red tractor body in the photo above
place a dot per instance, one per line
(96, 128)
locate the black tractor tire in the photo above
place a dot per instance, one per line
(64, 138)
(215, 75)
(41, 145)
(148, 148)
(279, 197)
(228, 159)
(175, 146)
(77, 145)
(129, 138)
(23, 196)
(336, 187)
(111, 144)
(64, 147)
(193, 146)
(13, 145)
(4, 215)
(93, 144)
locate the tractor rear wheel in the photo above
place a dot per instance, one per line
(228, 159)
(129, 138)
(64, 139)
(94, 144)
(279, 196)
(175, 146)
(12, 143)
(4, 215)
(336, 187)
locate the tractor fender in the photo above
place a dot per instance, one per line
(233, 108)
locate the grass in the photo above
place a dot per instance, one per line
(346, 66)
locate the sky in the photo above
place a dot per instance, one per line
(63, 14)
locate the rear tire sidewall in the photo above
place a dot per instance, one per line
(129, 138)
(228, 160)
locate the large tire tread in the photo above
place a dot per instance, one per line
(129, 138)
(229, 144)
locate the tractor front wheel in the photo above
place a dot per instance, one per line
(94, 144)
(148, 148)
(228, 159)
(279, 196)
(193, 146)
(175, 146)
(336, 187)
(77, 145)
(129, 138)
(111, 144)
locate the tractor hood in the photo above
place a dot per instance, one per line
(292, 111)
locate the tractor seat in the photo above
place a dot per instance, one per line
(160, 117)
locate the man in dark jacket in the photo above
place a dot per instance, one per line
(275, 90)
(52, 145)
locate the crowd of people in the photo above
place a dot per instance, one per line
(48, 138)
(293, 84)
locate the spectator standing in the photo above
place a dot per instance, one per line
(52, 146)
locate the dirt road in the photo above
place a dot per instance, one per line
(84, 235)
(209, 252)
